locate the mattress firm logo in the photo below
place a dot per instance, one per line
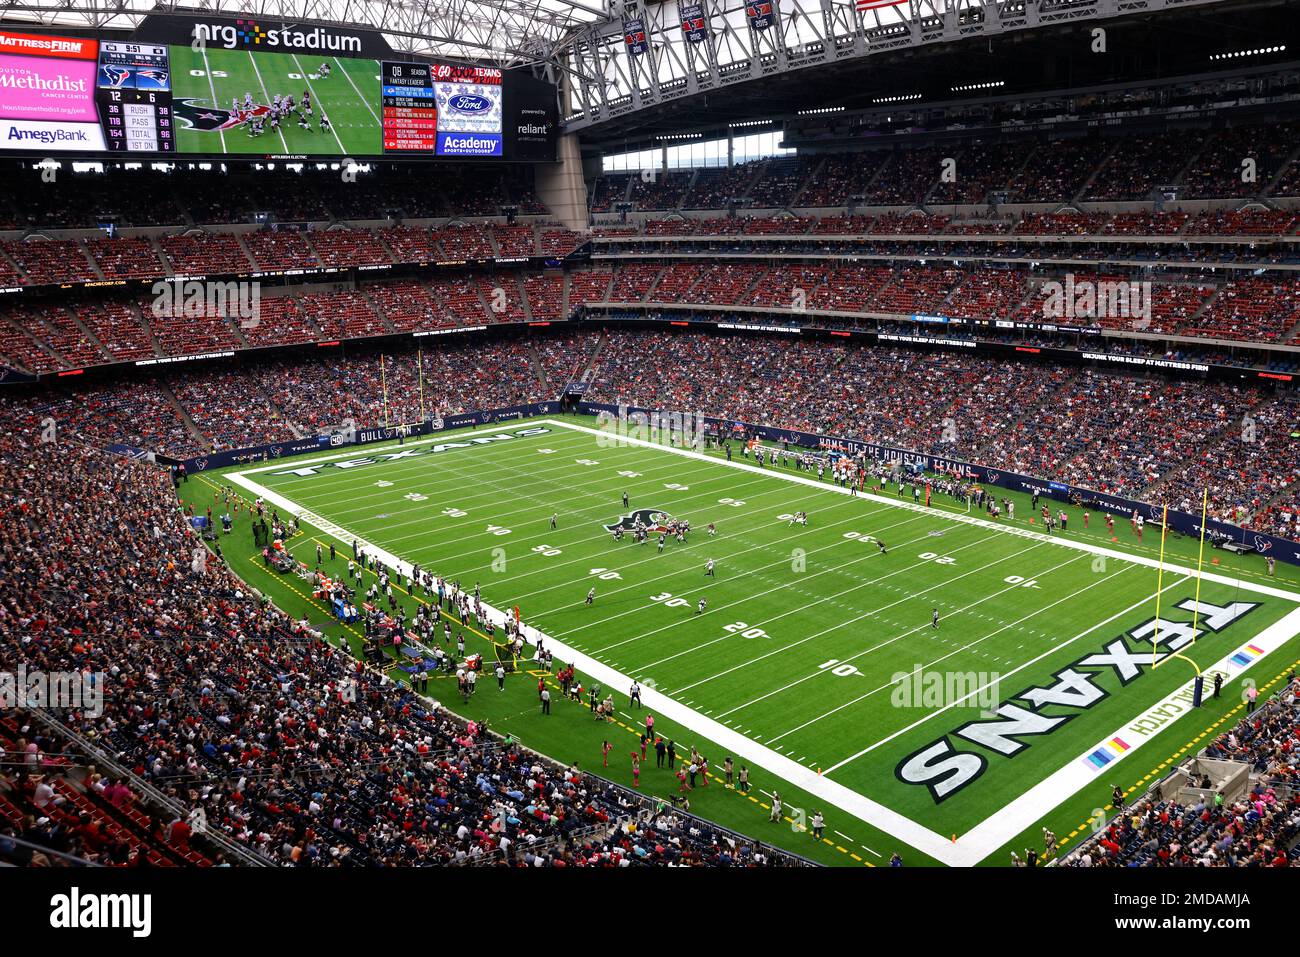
(349, 464)
(945, 770)
(249, 34)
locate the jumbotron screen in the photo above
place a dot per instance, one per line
(262, 92)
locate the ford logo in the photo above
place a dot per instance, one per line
(467, 103)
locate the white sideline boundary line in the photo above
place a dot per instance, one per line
(971, 847)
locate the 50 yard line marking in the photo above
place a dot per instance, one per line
(972, 846)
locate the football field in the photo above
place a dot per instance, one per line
(205, 82)
(949, 689)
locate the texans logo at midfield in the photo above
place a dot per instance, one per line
(653, 518)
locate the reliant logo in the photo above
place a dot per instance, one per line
(248, 33)
(75, 910)
(412, 453)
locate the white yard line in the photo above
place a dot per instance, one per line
(959, 518)
(851, 621)
(319, 104)
(266, 94)
(360, 97)
(839, 569)
(213, 90)
(1050, 651)
(901, 636)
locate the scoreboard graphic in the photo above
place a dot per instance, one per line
(133, 96)
(410, 123)
(75, 95)
(65, 94)
(442, 109)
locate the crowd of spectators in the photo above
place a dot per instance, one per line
(1152, 437)
(1259, 829)
(268, 735)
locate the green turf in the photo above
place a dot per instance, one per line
(806, 629)
(350, 96)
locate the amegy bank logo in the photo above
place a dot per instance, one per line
(1097, 299)
(31, 690)
(252, 35)
(348, 464)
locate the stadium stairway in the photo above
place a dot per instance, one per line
(195, 432)
(1155, 491)
(1292, 333)
(535, 360)
(654, 284)
(589, 368)
(1282, 169)
(24, 335)
(1287, 493)
(960, 156)
(690, 185)
(803, 187)
(248, 253)
(148, 330)
(1092, 177)
(526, 302)
(1192, 320)
(876, 176)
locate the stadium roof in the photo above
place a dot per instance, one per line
(507, 31)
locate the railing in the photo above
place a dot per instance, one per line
(244, 854)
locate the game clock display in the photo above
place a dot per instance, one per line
(134, 100)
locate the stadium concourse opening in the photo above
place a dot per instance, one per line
(420, 457)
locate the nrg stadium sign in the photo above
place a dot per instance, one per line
(259, 34)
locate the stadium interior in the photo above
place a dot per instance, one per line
(933, 250)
